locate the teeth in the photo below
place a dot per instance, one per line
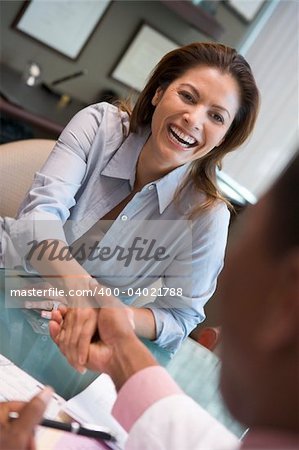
(189, 140)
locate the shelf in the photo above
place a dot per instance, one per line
(196, 16)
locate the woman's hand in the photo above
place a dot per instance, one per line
(75, 326)
(72, 330)
(116, 328)
(119, 352)
(19, 433)
(46, 297)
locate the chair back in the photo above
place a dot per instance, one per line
(19, 161)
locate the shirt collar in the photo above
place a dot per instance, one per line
(167, 186)
(122, 165)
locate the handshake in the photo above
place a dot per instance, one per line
(88, 336)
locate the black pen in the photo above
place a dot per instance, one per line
(88, 430)
(69, 77)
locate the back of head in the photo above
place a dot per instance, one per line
(284, 231)
(259, 290)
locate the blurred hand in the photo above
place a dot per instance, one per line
(18, 434)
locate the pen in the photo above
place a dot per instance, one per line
(88, 430)
(69, 77)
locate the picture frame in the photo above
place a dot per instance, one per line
(245, 9)
(64, 26)
(144, 51)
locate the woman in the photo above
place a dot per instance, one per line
(156, 163)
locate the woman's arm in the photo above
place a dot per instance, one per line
(144, 320)
(46, 208)
(192, 278)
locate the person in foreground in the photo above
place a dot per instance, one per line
(132, 168)
(259, 290)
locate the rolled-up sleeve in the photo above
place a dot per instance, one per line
(177, 315)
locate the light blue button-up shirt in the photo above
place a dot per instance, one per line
(91, 170)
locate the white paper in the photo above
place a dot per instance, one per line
(94, 405)
(15, 384)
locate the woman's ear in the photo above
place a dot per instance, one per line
(157, 97)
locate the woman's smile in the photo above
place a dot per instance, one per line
(181, 138)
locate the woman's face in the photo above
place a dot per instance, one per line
(192, 115)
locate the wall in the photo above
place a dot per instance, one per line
(273, 55)
(114, 32)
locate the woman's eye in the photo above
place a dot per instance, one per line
(187, 96)
(217, 117)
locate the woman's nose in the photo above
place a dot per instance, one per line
(195, 118)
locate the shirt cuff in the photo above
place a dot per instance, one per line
(142, 390)
(25, 232)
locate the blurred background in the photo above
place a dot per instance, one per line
(266, 32)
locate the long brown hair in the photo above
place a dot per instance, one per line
(173, 65)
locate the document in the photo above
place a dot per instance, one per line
(93, 406)
(15, 384)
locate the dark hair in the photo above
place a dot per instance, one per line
(173, 65)
(283, 232)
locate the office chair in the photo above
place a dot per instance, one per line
(19, 161)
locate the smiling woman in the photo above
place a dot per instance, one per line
(150, 173)
(229, 76)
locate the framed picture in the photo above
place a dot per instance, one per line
(246, 9)
(143, 53)
(64, 26)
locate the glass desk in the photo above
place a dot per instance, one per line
(25, 340)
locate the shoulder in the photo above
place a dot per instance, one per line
(213, 220)
(94, 126)
(104, 115)
(217, 212)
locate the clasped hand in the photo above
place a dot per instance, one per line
(73, 329)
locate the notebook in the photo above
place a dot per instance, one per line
(93, 405)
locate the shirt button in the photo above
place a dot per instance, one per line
(124, 217)
(151, 187)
